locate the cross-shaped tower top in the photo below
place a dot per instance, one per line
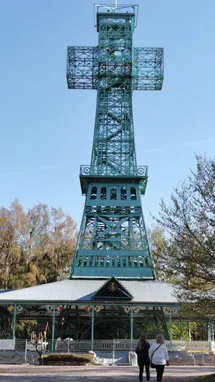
(112, 238)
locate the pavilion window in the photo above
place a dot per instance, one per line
(85, 262)
(133, 194)
(79, 261)
(107, 261)
(123, 193)
(141, 261)
(93, 193)
(103, 194)
(113, 193)
(90, 261)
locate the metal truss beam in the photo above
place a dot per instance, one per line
(112, 238)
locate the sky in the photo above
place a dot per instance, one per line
(46, 130)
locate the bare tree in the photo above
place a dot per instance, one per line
(189, 222)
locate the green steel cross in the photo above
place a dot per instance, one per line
(112, 239)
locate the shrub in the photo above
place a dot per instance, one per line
(66, 359)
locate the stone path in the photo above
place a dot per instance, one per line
(29, 373)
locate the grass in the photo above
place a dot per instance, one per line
(206, 378)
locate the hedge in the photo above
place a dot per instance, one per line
(66, 359)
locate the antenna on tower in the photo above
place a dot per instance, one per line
(116, 4)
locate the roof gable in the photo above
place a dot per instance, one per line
(112, 290)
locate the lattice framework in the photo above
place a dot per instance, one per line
(112, 237)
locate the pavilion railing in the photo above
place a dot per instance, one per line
(70, 345)
(124, 345)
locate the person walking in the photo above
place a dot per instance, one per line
(159, 356)
(142, 351)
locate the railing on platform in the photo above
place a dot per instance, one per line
(87, 170)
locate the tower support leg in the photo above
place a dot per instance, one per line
(210, 328)
(92, 329)
(170, 330)
(131, 330)
(14, 322)
(53, 328)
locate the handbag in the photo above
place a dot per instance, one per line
(153, 366)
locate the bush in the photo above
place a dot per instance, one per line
(67, 359)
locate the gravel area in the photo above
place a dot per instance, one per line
(29, 373)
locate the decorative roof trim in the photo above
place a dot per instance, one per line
(112, 289)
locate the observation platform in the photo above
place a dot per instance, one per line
(92, 174)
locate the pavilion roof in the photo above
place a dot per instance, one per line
(79, 290)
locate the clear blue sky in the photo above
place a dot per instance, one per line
(46, 130)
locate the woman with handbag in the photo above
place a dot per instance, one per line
(142, 351)
(159, 356)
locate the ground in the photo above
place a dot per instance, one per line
(29, 373)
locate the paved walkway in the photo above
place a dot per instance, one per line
(29, 373)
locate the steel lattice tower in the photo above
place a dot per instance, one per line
(112, 238)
